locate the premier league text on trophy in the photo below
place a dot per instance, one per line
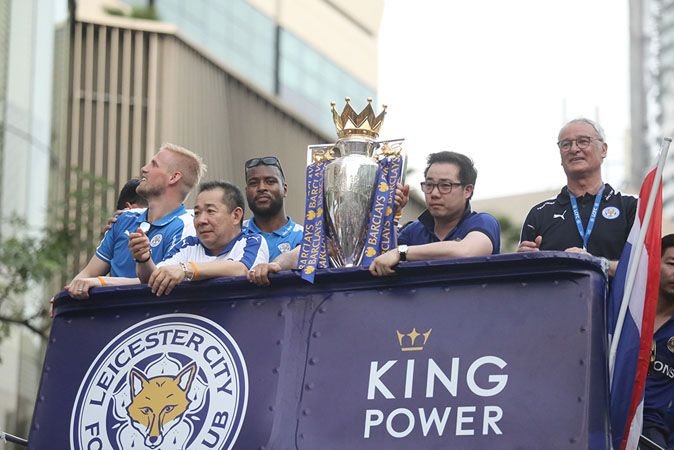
(458, 379)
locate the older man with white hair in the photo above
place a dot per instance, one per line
(588, 215)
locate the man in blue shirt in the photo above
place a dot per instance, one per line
(660, 381)
(165, 183)
(448, 228)
(266, 190)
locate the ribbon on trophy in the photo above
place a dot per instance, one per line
(357, 176)
(381, 235)
(313, 250)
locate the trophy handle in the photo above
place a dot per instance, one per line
(320, 152)
(393, 147)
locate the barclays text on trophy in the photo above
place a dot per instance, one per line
(350, 193)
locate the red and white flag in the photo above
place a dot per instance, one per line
(631, 312)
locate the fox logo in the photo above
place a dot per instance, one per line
(148, 390)
(158, 403)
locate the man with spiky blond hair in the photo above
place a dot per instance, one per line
(165, 182)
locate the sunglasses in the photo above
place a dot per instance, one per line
(266, 161)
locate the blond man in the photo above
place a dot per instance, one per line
(165, 182)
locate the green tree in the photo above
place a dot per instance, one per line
(510, 234)
(32, 258)
(148, 12)
(28, 260)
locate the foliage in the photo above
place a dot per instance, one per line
(510, 234)
(30, 258)
(113, 11)
(137, 12)
(145, 12)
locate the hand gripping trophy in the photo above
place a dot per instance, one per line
(350, 192)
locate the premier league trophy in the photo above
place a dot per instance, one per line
(350, 193)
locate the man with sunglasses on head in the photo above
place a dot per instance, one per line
(588, 216)
(289, 260)
(266, 190)
(448, 228)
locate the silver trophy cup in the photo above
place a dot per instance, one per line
(349, 180)
(349, 184)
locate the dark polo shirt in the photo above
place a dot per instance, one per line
(660, 385)
(553, 220)
(422, 230)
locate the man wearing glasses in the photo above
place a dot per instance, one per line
(448, 228)
(266, 190)
(588, 215)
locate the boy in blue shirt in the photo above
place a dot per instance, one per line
(660, 381)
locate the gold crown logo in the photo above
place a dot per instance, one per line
(350, 123)
(412, 337)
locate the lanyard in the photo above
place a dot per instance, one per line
(585, 234)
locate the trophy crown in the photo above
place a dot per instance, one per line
(350, 123)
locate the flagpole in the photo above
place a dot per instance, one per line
(6, 437)
(629, 284)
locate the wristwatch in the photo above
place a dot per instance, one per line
(402, 251)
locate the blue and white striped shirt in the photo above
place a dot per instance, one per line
(250, 250)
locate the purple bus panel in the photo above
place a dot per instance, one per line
(504, 352)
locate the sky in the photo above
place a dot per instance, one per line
(496, 79)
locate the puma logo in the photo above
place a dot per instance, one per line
(557, 216)
(158, 403)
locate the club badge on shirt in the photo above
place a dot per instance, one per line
(156, 240)
(610, 212)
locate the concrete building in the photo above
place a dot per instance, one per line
(26, 55)
(651, 91)
(304, 52)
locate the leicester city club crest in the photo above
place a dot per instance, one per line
(156, 240)
(610, 212)
(173, 382)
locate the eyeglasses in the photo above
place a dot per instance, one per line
(444, 187)
(266, 161)
(582, 142)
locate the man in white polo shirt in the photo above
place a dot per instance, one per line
(219, 249)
